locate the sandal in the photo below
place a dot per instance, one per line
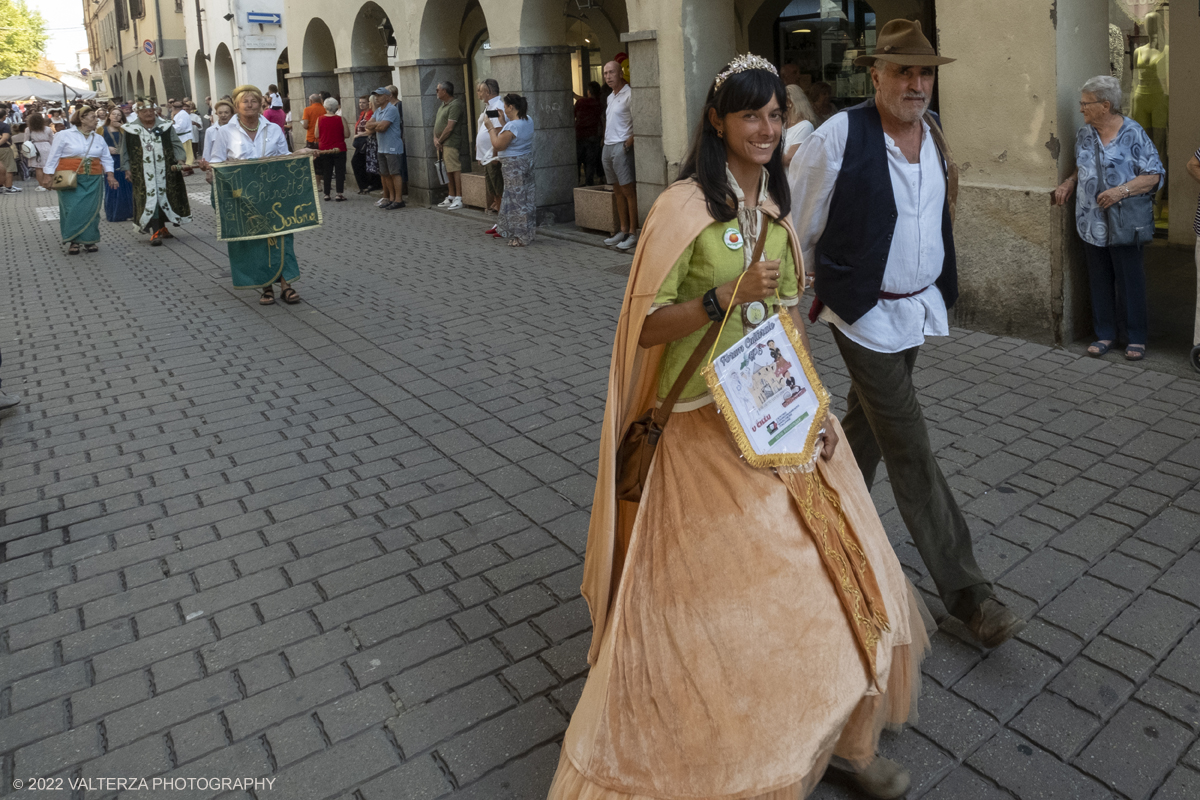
(515, 243)
(326, 197)
(1135, 352)
(1098, 348)
(90, 248)
(289, 296)
(73, 250)
(341, 198)
(268, 297)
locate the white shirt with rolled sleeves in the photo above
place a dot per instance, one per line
(234, 144)
(183, 124)
(618, 116)
(70, 143)
(916, 253)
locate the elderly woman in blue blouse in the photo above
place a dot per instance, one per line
(1120, 147)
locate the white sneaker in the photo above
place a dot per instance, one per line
(42, 189)
(456, 203)
(445, 203)
(15, 189)
(629, 243)
(616, 238)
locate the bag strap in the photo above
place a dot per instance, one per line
(663, 412)
(1100, 167)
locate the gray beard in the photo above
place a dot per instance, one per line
(901, 111)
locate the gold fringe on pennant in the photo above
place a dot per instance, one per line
(843, 558)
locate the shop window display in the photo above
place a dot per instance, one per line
(1140, 59)
(823, 37)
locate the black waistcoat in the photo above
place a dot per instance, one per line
(853, 251)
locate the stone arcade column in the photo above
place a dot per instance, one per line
(543, 76)
(356, 81)
(418, 80)
(649, 159)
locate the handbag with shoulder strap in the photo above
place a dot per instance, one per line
(1130, 220)
(636, 451)
(68, 178)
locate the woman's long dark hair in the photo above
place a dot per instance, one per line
(706, 161)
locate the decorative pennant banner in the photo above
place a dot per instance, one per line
(770, 396)
(265, 197)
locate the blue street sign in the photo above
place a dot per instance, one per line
(258, 18)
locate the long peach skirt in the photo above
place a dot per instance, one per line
(728, 668)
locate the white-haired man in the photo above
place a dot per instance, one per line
(875, 193)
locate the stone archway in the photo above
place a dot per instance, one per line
(225, 80)
(153, 90)
(318, 63)
(141, 87)
(435, 49)
(371, 37)
(200, 80)
(282, 68)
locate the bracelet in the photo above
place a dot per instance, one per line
(712, 306)
(1124, 189)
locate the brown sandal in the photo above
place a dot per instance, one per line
(290, 296)
(268, 297)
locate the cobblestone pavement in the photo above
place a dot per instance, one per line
(339, 544)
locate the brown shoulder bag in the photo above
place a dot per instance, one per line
(636, 451)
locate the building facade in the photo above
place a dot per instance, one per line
(235, 42)
(137, 47)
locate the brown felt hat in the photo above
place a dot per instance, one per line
(902, 42)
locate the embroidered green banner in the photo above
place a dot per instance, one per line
(265, 197)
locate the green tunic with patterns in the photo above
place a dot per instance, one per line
(159, 192)
(708, 262)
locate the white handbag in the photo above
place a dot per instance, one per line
(29, 150)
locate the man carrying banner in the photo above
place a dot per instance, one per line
(257, 263)
(150, 151)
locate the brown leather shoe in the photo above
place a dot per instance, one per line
(884, 779)
(994, 624)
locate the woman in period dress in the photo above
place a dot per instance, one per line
(222, 113)
(78, 149)
(724, 660)
(118, 202)
(257, 263)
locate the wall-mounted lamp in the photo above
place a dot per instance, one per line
(228, 17)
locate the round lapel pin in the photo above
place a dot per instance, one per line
(733, 239)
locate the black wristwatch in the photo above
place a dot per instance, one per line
(712, 307)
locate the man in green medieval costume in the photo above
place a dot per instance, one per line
(150, 150)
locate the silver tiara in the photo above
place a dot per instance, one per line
(743, 63)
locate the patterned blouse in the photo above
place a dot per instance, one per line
(1128, 155)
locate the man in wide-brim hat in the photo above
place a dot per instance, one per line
(875, 190)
